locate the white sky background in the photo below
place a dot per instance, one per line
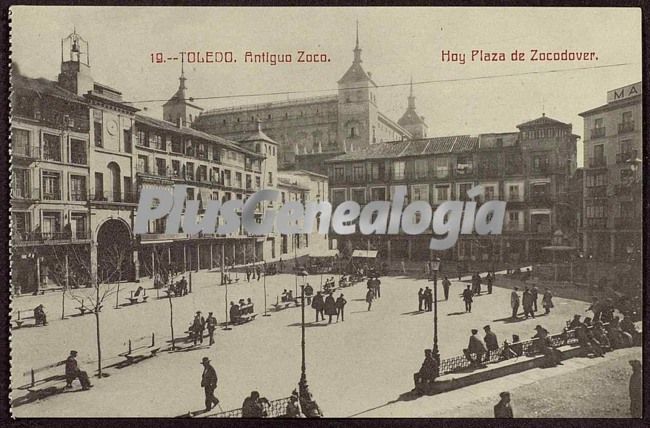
(396, 43)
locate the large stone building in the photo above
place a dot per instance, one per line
(530, 169)
(80, 158)
(345, 121)
(613, 192)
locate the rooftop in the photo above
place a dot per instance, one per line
(271, 104)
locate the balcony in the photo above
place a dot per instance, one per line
(541, 228)
(597, 162)
(626, 157)
(626, 127)
(598, 132)
(79, 196)
(24, 194)
(597, 192)
(47, 237)
(147, 237)
(540, 199)
(54, 195)
(127, 197)
(25, 153)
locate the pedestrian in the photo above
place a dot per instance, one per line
(636, 394)
(281, 265)
(596, 307)
(248, 274)
(491, 342)
(198, 325)
(503, 409)
(445, 287)
(209, 384)
(403, 267)
(490, 280)
(527, 303)
(330, 307)
(514, 302)
(534, 292)
(340, 308)
(476, 347)
(309, 292)
(211, 323)
(318, 304)
(428, 299)
(468, 298)
(370, 295)
(253, 406)
(476, 284)
(39, 315)
(547, 301)
(377, 286)
(258, 270)
(420, 299)
(544, 346)
(72, 372)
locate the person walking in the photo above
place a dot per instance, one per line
(491, 341)
(248, 274)
(377, 286)
(211, 324)
(340, 308)
(420, 299)
(318, 304)
(514, 302)
(489, 280)
(370, 295)
(258, 271)
(198, 325)
(527, 303)
(503, 409)
(445, 287)
(547, 301)
(468, 298)
(636, 394)
(428, 299)
(534, 292)
(209, 384)
(72, 372)
(476, 284)
(330, 307)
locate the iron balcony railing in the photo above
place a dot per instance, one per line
(129, 197)
(51, 236)
(598, 132)
(626, 127)
(597, 162)
(21, 151)
(625, 157)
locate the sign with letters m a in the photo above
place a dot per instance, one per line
(624, 92)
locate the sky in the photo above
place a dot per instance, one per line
(397, 44)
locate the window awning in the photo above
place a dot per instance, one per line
(369, 254)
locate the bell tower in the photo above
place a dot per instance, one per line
(75, 65)
(178, 109)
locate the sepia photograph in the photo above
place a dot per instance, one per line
(200, 197)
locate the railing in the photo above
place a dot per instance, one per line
(52, 196)
(28, 193)
(25, 152)
(598, 132)
(78, 195)
(275, 409)
(626, 127)
(114, 197)
(79, 159)
(626, 156)
(597, 192)
(51, 236)
(597, 162)
(528, 348)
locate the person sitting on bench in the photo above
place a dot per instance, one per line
(234, 312)
(249, 305)
(285, 297)
(39, 316)
(137, 292)
(73, 372)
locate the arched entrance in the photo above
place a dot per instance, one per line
(114, 252)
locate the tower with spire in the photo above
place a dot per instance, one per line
(356, 102)
(410, 120)
(178, 108)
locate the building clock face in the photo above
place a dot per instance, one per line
(111, 127)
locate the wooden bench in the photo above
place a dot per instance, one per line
(57, 381)
(244, 318)
(20, 320)
(83, 309)
(138, 353)
(138, 298)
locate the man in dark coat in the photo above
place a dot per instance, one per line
(428, 299)
(491, 342)
(258, 270)
(445, 287)
(340, 308)
(330, 307)
(503, 409)
(211, 324)
(39, 315)
(636, 394)
(72, 372)
(490, 280)
(234, 313)
(248, 274)
(476, 284)
(253, 407)
(420, 299)
(198, 325)
(209, 384)
(514, 303)
(468, 298)
(370, 296)
(534, 292)
(476, 347)
(527, 303)
(318, 304)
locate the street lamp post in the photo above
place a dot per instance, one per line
(309, 406)
(266, 314)
(434, 268)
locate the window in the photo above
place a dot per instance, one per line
(442, 167)
(359, 196)
(176, 168)
(270, 178)
(51, 224)
(513, 216)
(226, 175)
(627, 117)
(99, 128)
(99, 186)
(357, 172)
(189, 171)
(540, 164)
(378, 194)
(462, 191)
(420, 168)
(155, 141)
(490, 193)
(464, 165)
(257, 183)
(141, 138)
(626, 146)
(420, 192)
(161, 167)
(21, 183)
(442, 193)
(513, 192)
(20, 142)
(127, 141)
(77, 188)
(399, 168)
(339, 172)
(51, 186)
(353, 132)
(51, 147)
(377, 170)
(21, 223)
(177, 144)
(143, 164)
(338, 197)
(598, 123)
(78, 152)
(238, 180)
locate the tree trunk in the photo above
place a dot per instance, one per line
(171, 320)
(99, 347)
(117, 296)
(63, 304)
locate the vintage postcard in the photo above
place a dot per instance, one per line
(402, 212)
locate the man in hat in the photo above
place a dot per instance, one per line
(491, 341)
(72, 371)
(445, 287)
(209, 384)
(503, 409)
(636, 394)
(420, 299)
(198, 325)
(467, 298)
(575, 322)
(476, 347)
(514, 302)
(39, 315)
(211, 324)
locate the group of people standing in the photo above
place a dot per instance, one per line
(374, 289)
(200, 324)
(529, 301)
(329, 306)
